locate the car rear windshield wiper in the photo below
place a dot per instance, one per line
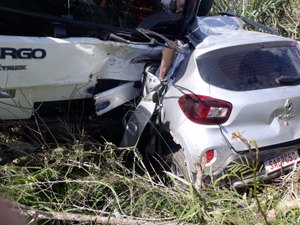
(287, 80)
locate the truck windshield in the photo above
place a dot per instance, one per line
(119, 13)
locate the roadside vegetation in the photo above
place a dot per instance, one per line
(88, 183)
(83, 181)
(282, 15)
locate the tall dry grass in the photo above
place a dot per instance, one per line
(282, 15)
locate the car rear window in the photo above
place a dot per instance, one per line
(249, 68)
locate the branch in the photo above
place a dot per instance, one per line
(42, 215)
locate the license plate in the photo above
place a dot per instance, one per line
(281, 161)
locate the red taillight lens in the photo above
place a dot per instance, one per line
(209, 155)
(205, 110)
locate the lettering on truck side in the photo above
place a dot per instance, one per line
(22, 53)
(13, 67)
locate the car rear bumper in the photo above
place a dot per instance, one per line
(253, 159)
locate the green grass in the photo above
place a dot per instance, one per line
(90, 179)
(282, 15)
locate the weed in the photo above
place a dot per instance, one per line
(282, 15)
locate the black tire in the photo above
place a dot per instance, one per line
(205, 7)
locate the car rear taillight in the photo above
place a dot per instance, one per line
(205, 110)
(209, 155)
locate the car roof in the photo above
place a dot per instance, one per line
(209, 33)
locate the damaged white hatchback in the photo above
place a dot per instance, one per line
(235, 86)
(224, 79)
(232, 87)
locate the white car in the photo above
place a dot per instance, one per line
(234, 87)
